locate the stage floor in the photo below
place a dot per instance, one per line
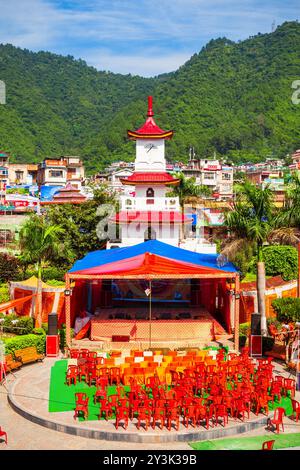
(179, 327)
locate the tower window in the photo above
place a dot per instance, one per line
(150, 192)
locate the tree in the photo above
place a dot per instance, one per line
(250, 221)
(80, 224)
(187, 189)
(41, 242)
(9, 267)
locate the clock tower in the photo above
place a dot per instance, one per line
(150, 214)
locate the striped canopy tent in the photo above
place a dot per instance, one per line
(152, 260)
(52, 298)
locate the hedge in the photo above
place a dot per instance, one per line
(287, 309)
(4, 293)
(281, 259)
(24, 326)
(21, 342)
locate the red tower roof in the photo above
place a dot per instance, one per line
(150, 129)
(151, 178)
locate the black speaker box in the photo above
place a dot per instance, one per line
(255, 324)
(52, 324)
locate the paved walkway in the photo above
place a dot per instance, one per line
(24, 434)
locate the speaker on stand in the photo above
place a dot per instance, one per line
(255, 337)
(52, 339)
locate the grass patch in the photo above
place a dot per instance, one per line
(62, 396)
(249, 443)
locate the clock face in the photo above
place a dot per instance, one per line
(150, 147)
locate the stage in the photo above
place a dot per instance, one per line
(178, 327)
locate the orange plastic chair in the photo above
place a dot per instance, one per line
(268, 445)
(3, 433)
(277, 419)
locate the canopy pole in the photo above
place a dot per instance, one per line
(237, 313)
(68, 311)
(150, 313)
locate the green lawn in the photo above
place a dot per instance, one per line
(62, 396)
(249, 443)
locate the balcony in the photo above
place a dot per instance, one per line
(167, 204)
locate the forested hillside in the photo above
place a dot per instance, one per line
(230, 98)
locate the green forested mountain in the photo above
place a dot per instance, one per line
(231, 98)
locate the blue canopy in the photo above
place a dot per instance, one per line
(102, 257)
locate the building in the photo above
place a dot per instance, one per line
(67, 195)
(22, 173)
(4, 162)
(273, 178)
(149, 214)
(213, 174)
(60, 171)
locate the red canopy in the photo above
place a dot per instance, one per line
(148, 265)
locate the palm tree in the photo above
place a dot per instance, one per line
(40, 242)
(250, 221)
(188, 190)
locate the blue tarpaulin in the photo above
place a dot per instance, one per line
(102, 257)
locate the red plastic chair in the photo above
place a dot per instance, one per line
(296, 409)
(74, 353)
(105, 409)
(81, 405)
(100, 394)
(240, 408)
(122, 414)
(71, 376)
(3, 433)
(189, 414)
(289, 385)
(221, 412)
(158, 414)
(210, 415)
(115, 375)
(173, 414)
(144, 414)
(268, 445)
(277, 419)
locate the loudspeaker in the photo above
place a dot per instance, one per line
(255, 346)
(52, 346)
(255, 324)
(52, 324)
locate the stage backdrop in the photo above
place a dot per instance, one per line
(161, 289)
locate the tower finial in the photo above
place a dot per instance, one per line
(150, 110)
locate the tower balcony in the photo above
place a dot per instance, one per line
(149, 203)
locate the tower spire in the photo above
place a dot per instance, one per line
(150, 112)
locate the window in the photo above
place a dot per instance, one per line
(150, 192)
(209, 175)
(226, 176)
(56, 173)
(19, 175)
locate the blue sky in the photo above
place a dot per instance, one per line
(141, 37)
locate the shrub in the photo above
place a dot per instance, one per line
(9, 267)
(242, 340)
(281, 260)
(245, 328)
(62, 337)
(53, 273)
(287, 309)
(21, 342)
(4, 293)
(38, 331)
(24, 326)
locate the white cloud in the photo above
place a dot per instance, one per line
(126, 31)
(146, 65)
